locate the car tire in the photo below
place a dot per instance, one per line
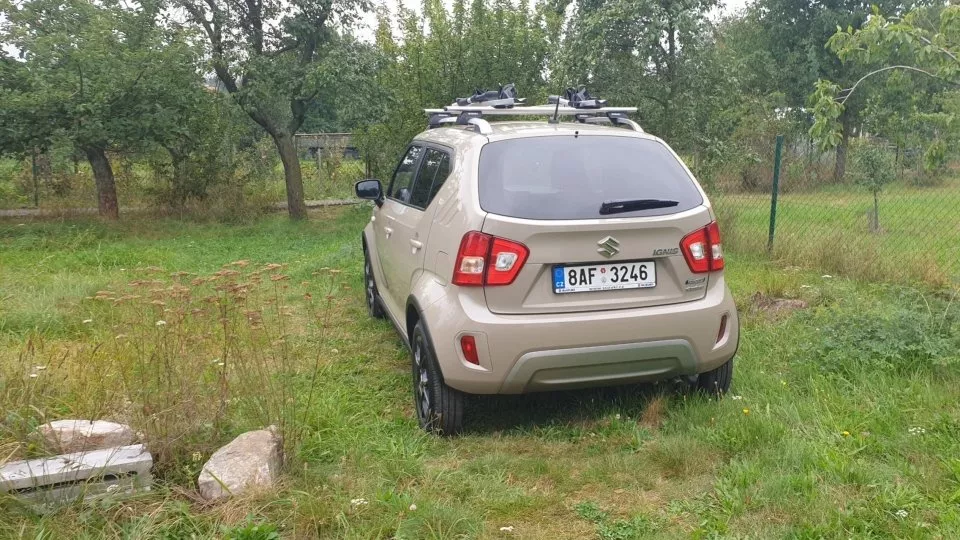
(716, 382)
(372, 294)
(438, 407)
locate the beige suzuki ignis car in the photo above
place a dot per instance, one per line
(527, 256)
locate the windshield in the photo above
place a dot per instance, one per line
(571, 177)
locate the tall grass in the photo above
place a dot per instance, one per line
(188, 360)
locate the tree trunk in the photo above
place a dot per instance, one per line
(291, 175)
(840, 167)
(876, 212)
(106, 187)
(181, 188)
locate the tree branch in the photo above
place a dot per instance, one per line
(849, 91)
(941, 49)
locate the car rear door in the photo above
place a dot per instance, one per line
(547, 193)
(390, 246)
(410, 215)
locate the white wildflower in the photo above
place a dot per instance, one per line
(901, 513)
(413, 508)
(617, 416)
(736, 398)
(359, 502)
(161, 323)
(917, 430)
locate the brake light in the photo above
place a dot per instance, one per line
(488, 260)
(703, 250)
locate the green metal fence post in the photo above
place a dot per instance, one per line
(775, 191)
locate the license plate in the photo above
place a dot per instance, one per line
(604, 277)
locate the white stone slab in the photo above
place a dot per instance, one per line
(67, 477)
(69, 436)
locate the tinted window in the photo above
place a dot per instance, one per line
(443, 171)
(567, 177)
(403, 177)
(433, 171)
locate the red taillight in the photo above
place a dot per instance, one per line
(488, 260)
(469, 347)
(702, 249)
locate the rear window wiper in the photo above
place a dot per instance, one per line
(632, 205)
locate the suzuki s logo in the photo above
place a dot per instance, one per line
(609, 247)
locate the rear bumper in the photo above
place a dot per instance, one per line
(528, 353)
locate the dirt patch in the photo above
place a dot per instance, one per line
(775, 308)
(652, 417)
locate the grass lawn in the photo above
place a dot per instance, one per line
(843, 421)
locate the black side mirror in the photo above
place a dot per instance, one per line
(370, 190)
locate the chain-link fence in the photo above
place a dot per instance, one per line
(890, 216)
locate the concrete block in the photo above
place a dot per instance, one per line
(58, 480)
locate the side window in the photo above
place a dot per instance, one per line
(403, 177)
(443, 171)
(433, 171)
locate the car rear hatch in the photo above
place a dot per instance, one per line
(547, 193)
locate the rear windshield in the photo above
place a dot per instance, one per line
(569, 177)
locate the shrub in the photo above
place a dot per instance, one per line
(904, 339)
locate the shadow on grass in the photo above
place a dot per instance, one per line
(571, 409)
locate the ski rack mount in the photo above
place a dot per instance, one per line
(580, 104)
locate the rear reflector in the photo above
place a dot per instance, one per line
(723, 328)
(469, 347)
(702, 249)
(488, 260)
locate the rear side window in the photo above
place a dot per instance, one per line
(434, 169)
(569, 177)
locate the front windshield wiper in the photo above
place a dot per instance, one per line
(632, 205)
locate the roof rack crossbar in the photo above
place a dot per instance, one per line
(531, 110)
(462, 114)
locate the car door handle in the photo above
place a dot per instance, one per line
(416, 244)
(388, 231)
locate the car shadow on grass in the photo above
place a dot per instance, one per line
(573, 410)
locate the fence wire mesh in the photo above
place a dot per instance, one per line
(890, 217)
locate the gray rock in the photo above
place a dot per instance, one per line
(251, 460)
(68, 436)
